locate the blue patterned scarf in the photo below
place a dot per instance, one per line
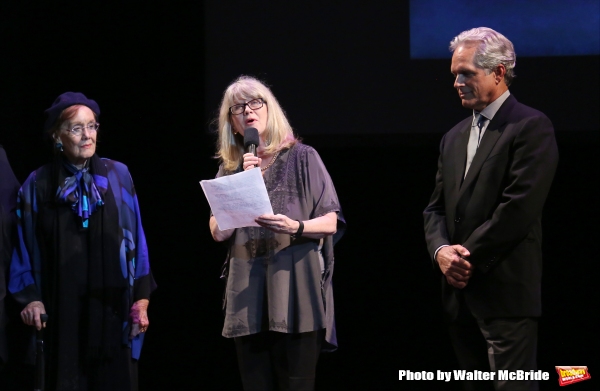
(81, 191)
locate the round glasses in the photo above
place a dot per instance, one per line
(254, 104)
(77, 130)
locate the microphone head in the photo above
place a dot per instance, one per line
(251, 137)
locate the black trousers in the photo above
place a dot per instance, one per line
(493, 345)
(278, 361)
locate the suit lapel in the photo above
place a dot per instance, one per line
(488, 141)
(460, 153)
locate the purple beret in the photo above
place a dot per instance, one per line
(66, 100)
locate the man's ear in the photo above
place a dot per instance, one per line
(499, 73)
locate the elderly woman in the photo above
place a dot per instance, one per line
(279, 299)
(82, 257)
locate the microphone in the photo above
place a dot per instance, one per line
(251, 140)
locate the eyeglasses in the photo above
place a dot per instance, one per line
(254, 104)
(77, 130)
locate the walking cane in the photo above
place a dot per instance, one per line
(40, 370)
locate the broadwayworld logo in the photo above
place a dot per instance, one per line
(570, 375)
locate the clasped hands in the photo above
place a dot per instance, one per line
(454, 265)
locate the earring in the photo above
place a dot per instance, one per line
(59, 146)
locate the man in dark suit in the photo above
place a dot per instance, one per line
(483, 222)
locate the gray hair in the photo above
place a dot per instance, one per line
(494, 49)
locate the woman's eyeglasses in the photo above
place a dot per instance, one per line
(77, 130)
(254, 104)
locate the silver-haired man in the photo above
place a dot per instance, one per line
(483, 222)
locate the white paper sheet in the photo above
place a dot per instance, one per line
(236, 200)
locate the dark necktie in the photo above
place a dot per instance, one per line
(480, 122)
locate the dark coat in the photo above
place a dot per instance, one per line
(495, 212)
(9, 186)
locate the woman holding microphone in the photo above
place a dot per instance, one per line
(279, 298)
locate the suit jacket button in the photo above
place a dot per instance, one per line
(457, 220)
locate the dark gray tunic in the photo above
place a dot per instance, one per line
(276, 282)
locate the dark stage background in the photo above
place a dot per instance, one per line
(344, 76)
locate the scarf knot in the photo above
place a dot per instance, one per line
(83, 191)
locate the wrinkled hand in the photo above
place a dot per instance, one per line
(251, 161)
(278, 223)
(31, 314)
(454, 265)
(139, 317)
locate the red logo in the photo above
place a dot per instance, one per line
(570, 375)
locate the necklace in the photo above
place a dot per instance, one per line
(271, 162)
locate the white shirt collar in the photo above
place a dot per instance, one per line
(490, 111)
